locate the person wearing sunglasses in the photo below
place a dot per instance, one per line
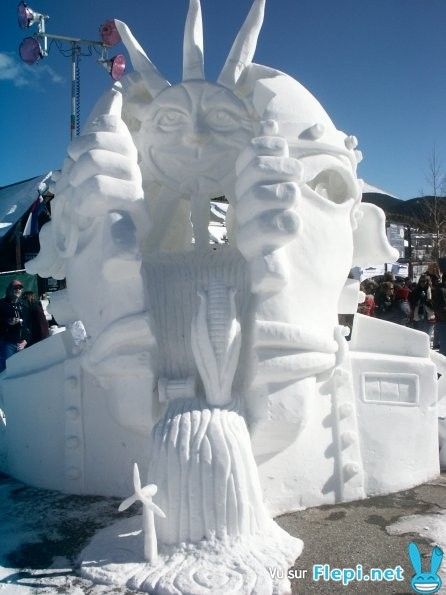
(13, 333)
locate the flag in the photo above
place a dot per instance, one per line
(32, 223)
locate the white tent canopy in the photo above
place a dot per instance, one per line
(16, 199)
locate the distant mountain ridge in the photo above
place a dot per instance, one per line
(413, 211)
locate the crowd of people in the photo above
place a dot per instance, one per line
(420, 305)
(22, 321)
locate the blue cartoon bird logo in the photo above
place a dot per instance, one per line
(425, 582)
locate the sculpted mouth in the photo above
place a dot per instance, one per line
(289, 352)
(189, 166)
(275, 335)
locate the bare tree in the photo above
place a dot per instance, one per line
(431, 211)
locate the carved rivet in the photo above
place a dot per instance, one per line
(347, 439)
(72, 413)
(340, 377)
(269, 127)
(72, 442)
(73, 473)
(351, 469)
(345, 410)
(71, 382)
(316, 131)
(351, 142)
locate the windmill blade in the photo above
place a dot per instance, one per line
(136, 478)
(155, 509)
(127, 503)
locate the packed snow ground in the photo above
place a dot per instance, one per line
(430, 526)
(43, 532)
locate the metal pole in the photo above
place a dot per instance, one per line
(18, 247)
(76, 42)
(79, 40)
(73, 91)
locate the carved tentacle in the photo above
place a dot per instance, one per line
(216, 340)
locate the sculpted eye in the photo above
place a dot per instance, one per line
(170, 119)
(222, 120)
(331, 185)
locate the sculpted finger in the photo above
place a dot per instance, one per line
(101, 194)
(265, 197)
(268, 169)
(262, 145)
(106, 115)
(66, 166)
(269, 127)
(63, 179)
(56, 176)
(266, 233)
(107, 123)
(268, 273)
(108, 141)
(110, 103)
(107, 163)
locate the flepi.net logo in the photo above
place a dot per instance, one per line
(425, 582)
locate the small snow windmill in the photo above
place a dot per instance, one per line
(149, 510)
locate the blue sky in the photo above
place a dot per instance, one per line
(377, 66)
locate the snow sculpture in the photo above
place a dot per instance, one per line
(230, 357)
(149, 510)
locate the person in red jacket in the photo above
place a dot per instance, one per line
(368, 305)
(402, 305)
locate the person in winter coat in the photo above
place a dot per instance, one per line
(403, 311)
(422, 307)
(385, 303)
(34, 317)
(14, 334)
(439, 302)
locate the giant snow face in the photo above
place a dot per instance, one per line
(192, 135)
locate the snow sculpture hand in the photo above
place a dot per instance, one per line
(296, 194)
(100, 174)
(99, 187)
(295, 202)
(98, 213)
(98, 206)
(266, 192)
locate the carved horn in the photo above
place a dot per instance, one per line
(244, 46)
(152, 78)
(193, 57)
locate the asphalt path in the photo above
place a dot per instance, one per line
(345, 535)
(42, 533)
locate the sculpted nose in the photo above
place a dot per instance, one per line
(198, 135)
(195, 138)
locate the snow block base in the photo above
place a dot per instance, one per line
(250, 565)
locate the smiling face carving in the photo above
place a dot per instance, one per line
(192, 135)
